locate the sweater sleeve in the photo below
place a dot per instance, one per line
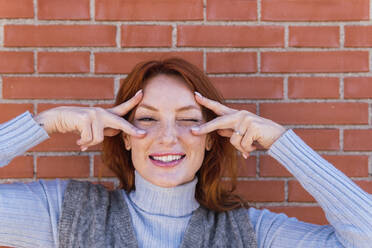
(347, 207)
(18, 135)
(29, 212)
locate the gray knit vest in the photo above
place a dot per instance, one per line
(94, 217)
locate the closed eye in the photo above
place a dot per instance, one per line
(191, 120)
(146, 119)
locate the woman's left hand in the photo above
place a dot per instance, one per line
(241, 126)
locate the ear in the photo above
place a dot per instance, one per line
(208, 143)
(126, 139)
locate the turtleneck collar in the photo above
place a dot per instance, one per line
(176, 201)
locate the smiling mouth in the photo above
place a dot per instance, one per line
(167, 158)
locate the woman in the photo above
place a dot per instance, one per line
(170, 151)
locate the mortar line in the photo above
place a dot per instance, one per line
(341, 141)
(286, 36)
(341, 88)
(174, 36)
(342, 36)
(92, 10)
(36, 11)
(285, 88)
(118, 36)
(259, 6)
(1, 35)
(91, 63)
(204, 11)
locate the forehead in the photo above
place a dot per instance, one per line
(171, 91)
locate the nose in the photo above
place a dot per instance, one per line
(168, 134)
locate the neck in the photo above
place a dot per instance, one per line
(175, 201)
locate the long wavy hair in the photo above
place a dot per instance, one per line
(212, 191)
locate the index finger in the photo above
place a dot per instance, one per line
(116, 122)
(125, 107)
(221, 122)
(215, 106)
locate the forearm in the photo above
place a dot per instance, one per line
(18, 135)
(347, 207)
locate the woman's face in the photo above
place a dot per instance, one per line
(169, 154)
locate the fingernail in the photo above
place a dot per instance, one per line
(198, 94)
(139, 131)
(245, 155)
(138, 92)
(195, 129)
(83, 149)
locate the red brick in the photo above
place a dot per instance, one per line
(249, 87)
(130, 10)
(314, 36)
(16, 62)
(350, 165)
(269, 167)
(316, 113)
(232, 10)
(230, 36)
(358, 36)
(247, 167)
(63, 62)
(325, 10)
(261, 191)
(20, 167)
(66, 9)
(329, 61)
(100, 169)
(231, 62)
(11, 110)
(57, 87)
(62, 142)
(358, 140)
(320, 139)
(59, 35)
(123, 62)
(243, 106)
(146, 36)
(313, 87)
(296, 193)
(16, 9)
(63, 167)
(358, 87)
(307, 214)
(365, 185)
(45, 106)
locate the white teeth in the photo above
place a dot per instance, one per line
(168, 158)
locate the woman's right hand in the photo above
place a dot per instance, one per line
(92, 123)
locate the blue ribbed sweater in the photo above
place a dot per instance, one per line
(29, 213)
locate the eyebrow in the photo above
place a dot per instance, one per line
(184, 108)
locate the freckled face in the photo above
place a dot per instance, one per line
(169, 154)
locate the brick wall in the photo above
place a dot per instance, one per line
(304, 64)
